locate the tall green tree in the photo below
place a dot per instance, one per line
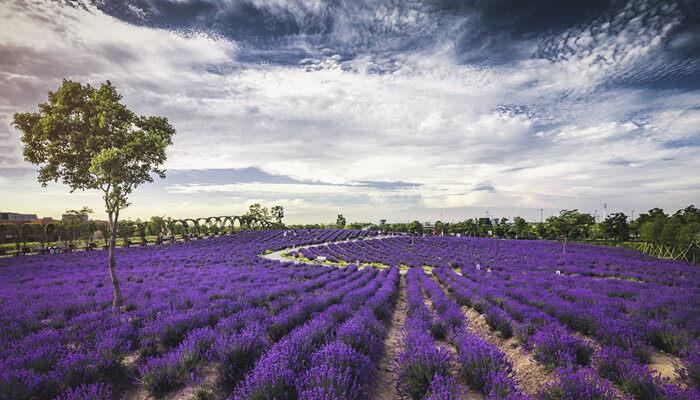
(277, 213)
(84, 137)
(340, 222)
(570, 225)
(521, 228)
(258, 211)
(74, 224)
(615, 227)
(651, 229)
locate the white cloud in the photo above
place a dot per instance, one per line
(541, 131)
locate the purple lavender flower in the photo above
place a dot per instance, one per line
(582, 384)
(95, 391)
(554, 348)
(238, 354)
(338, 371)
(445, 388)
(690, 371)
(419, 363)
(477, 360)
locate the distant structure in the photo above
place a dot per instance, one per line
(19, 219)
(605, 211)
(14, 217)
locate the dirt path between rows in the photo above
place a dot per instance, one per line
(529, 374)
(385, 385)
(207, 385)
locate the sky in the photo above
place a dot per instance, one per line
(376, 109)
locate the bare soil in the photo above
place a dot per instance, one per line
(664, 364)
(385, 385)
(208, 384)
(529, 374)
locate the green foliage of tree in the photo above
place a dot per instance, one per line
(126, 229)
(521, 228)
(74, 226)
(570, 225)
(86, 138)
(277, 213)
(157, 225)
(615, 227)
(415, 227)
(258, 211)
(340, 221)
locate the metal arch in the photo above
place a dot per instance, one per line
(56, 231)
(10, 233)
(247, 222)
(202, 227)
(230, 220)
(29, 231)
(173, 226)
(212, 225)
(240, 222)
(195, 226)
(52, 232)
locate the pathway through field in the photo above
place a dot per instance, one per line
(385, 385)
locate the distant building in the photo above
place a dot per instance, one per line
(13, 217)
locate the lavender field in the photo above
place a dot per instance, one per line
(401, 317)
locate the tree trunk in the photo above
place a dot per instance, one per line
(117, 301)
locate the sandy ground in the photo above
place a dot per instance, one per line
(385, 386)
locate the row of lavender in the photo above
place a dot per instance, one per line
(427, 367)
(521, 295)
(545, 256)
(552, 344)
(187, 305)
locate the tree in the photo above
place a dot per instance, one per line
(126, 229)
(277, 213)
(521, 228)
(615, 227)
(259, 212)
(75, 224)
(651, 215)
(340, 221)
(570, 225)
(540, 230)
(156, 225)
(669, 232)
(650, 230)
(87, 139)
(415, 227)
